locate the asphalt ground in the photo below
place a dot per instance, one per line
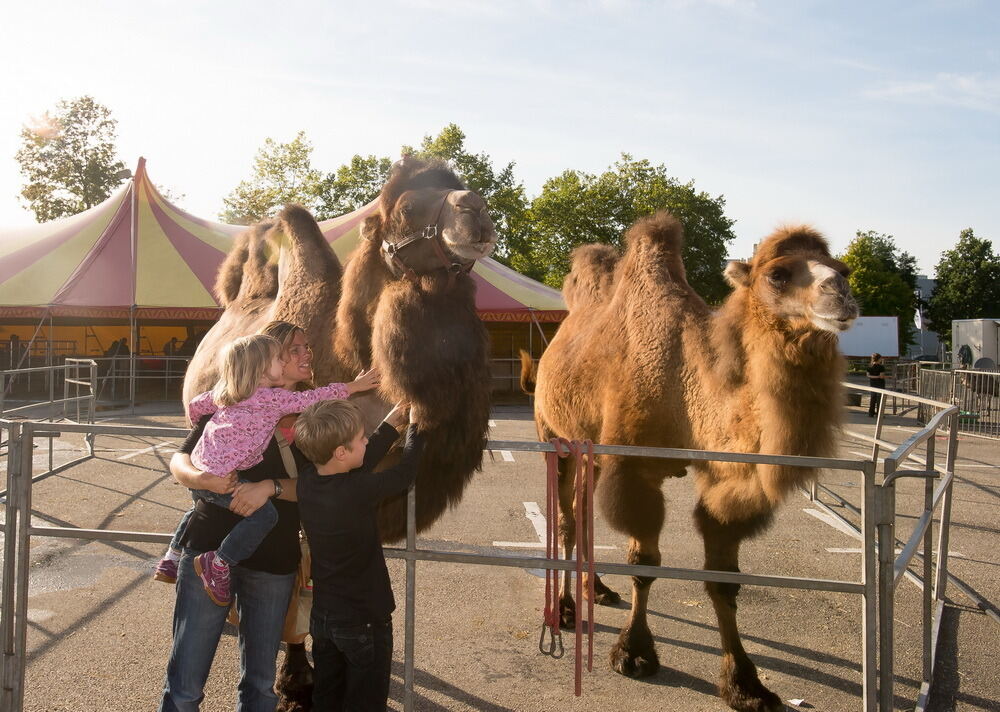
(99, 626)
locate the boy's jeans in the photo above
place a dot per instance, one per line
(352, 664)
(246, 536)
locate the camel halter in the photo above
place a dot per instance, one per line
(429, 232)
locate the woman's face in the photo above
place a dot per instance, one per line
(298, 361)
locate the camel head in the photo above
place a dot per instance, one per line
(794, 278)
(427, 220)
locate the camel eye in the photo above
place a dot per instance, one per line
(778, 276)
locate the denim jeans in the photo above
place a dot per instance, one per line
(175, 542)
(352, 664)
(246, 536)
(262, 600)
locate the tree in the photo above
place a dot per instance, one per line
(353, 185)
(282, 174)
(883, 280)
(68, 159)
(968, 284)
(575, 208)
(503, 193)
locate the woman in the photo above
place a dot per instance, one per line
(876, 379)
(261, 584)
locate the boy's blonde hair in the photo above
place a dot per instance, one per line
(325, 426)
(242, 364)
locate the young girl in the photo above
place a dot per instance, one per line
(245, 408)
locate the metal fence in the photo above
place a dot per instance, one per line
(976, 393)
(878, 576)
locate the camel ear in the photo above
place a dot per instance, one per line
(738, 274)
(371, 228)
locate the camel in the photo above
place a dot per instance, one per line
(405, 303)
(642, 360)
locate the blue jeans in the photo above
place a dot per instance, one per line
(262, 601)
(352, 664)
(175, 542)
(243, 539)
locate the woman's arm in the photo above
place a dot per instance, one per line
(191, 477)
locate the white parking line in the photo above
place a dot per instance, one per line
(148, 449)
(507, 455)
(537, 519)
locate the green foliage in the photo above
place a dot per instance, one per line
(353, 185)
(503, 193)
(576, 208)
(883, 280)
(68, 159)
(282, 174)
(968, 284)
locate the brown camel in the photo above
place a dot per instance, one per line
(642, 360)
(405, 303)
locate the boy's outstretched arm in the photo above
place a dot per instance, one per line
(397, 479)
(385, 435)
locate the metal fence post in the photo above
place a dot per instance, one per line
(9, 661)
(885, 506)
(411, 597)
(23, 565)
(869, 602)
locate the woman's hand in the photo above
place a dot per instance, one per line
(248, 497)
(220, 485)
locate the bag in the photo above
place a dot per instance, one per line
(296, 625)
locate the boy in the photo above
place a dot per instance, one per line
(351, 623)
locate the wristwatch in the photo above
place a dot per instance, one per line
(278, 489)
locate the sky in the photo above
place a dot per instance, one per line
(846, 115)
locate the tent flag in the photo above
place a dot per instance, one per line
(138, 254)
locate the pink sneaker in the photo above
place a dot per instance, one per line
(214, 573)
(166, 571)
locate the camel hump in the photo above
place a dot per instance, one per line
(247, 269)
(658, 237)
(529, 373)
(592, 272)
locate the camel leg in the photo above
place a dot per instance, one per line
(739, 684)
(634, 655)
(603, 594)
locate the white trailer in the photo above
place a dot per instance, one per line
(981, 336)
(869, 335)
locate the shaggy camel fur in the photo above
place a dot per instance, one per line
(413, 317)
(642, 360)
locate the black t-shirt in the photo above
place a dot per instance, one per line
(279, 553)
(339, 515)
(875, 377)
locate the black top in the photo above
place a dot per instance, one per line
(339, 515)
(875, 377)
(279, 553)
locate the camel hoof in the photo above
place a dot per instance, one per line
(604, 596)
(742, 690)
(567, 614)
(633, 665)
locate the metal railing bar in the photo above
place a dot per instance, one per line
(98, 534)
(97, 429)
(895, 394)
(830, 463)
(903, 450)
(527, 562)
(903, 560)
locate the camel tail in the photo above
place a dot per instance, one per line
(662, 235)
(591, 274)
(529, 373)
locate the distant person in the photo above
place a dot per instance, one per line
(876, 379)
(171, 347)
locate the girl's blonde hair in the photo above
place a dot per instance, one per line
(242, 364)
(285, 332)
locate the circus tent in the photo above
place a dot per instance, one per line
(137, 256)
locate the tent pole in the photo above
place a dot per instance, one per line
(131, 359)
(545, 342)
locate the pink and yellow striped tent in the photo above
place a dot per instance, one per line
(138, 256)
